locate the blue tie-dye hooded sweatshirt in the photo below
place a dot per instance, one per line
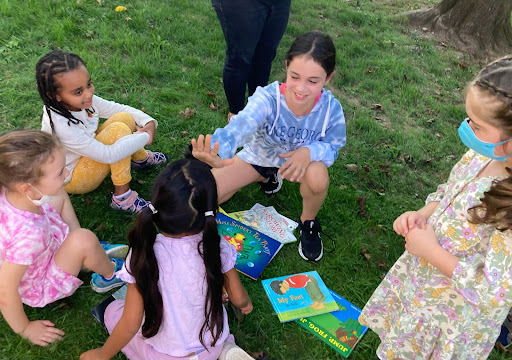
(266, 127)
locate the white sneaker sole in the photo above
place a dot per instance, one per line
(305, 258)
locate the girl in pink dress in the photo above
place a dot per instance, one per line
(42, 247)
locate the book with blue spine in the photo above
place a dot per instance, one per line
(254, 249)
(299, 295)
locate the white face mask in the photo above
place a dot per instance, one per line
(44, 198)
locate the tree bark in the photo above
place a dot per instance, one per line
(480, 27)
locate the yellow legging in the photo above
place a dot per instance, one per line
(89, 174)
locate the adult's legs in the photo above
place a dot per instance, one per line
(265, 51)
(242, 23)
(232, 178)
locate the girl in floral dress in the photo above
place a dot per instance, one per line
(448, 294)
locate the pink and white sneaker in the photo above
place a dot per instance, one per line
(152, 159)
(132, 203)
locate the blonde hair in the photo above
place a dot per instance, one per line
(23, 153)
(495, 79)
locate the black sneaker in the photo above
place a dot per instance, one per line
(310, 246)
(272, 184)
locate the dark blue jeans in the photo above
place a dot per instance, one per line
(252, 29)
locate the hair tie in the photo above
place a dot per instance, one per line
(152, 208)
(208, 213)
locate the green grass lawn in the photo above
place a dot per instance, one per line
(402, 97)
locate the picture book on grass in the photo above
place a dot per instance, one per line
(300, 295)
(266, 220)
(254, 249)
(339, 329)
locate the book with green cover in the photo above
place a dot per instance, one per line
(339, 329)
(299, 295)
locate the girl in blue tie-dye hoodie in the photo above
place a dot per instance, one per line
(291, 130)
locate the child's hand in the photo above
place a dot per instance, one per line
(42, 332)
(247, 309)
(295, 167)
(421, 242)
(150, 129)
(407, 221)
(94, 354)
(201, 151)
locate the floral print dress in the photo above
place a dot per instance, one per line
(418, 312)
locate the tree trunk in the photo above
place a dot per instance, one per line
(480, 27)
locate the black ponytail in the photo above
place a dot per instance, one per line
(185, 201)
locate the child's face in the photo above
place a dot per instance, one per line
(479, 107)
(75, 89)
(54, 174)
(305, 79)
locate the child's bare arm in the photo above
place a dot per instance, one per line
(125, 329)
(40, 332)
(63, 205)
(237, 292)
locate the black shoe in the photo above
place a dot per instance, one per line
(272, 184)
(310, 246)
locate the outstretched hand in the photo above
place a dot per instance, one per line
(295, 167)
(42, 332)
(201, 151)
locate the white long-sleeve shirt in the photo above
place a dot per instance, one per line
(79, 140)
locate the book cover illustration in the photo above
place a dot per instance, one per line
(99, 310)
(300, 295)
(292, 225)
(266, 220)
(339, 329)
(254, 249)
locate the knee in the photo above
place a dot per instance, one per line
(317, 178)
(125, 118)
(82, 239)
(114, 132)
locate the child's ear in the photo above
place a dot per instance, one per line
(330, 77)
(22, 188)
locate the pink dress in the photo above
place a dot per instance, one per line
(32, 239)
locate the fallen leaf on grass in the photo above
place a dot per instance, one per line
(211, 94)
(128, 18)
(362, 208)
(377, 107)
(381, 264)
(142, 182)
(213, 106)
(88, 201)
(365, 254)
(184, 132)
(143, 109)
(463, 65)
(187, 113)
(352, 167)
(100, 227)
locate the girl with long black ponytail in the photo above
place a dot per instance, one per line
(176, 270)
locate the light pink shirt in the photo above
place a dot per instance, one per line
(182, 284)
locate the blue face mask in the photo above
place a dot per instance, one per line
(486, 149)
